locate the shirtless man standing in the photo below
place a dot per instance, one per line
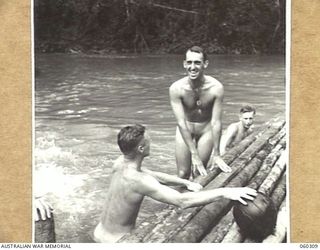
(196, 101)
(130, 183)
(237, 131)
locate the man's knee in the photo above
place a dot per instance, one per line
(184, 174)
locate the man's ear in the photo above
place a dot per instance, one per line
(206, 63)
(141, 148)
(185, 64)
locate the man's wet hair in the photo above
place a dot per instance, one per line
(247, 108)
(200, 50)
(129, 137)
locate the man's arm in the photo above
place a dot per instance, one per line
(149, 186)
(227, 138)
(178, 111)
(173, 180)
(216, 130)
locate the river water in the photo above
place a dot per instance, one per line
(82, 101)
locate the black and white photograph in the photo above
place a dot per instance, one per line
(160, 121)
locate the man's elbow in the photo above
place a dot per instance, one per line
(216, 124)
(182, 125)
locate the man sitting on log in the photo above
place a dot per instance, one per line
(237, 131)
(130, 183)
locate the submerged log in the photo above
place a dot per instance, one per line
(279, 193)
(44, 230)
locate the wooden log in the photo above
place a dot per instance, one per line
(282, 135)
(233, 235)
(271, 180)
(279, 193)
(221, 229)
(44, 230)
(266, 168)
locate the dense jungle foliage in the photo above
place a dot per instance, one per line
(159, 26)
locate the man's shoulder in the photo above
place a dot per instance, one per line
(138, 176)
(233, 126)
(179, 83)
(213, 82)
(142, 183)
(178, 86)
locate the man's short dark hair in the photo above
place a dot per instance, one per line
(200, 50)
(247, 108)
(129, 137)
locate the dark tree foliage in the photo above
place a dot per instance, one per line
(160, 26)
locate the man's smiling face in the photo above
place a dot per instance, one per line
(194, 65)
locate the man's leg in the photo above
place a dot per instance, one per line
(205, 146)
(183, 157)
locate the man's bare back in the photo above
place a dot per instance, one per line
(123, 203)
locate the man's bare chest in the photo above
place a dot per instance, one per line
(197, 99)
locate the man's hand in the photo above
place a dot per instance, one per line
(192, 186)
(239, 194)
(44, 209)
(217, 161)
(197, 166)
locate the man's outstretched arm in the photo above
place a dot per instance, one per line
(216, 131)
(227, 138)
(149, 186)
(173, 180)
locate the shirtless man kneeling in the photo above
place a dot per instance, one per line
(237, 131)
(196, 101)
(130, 183)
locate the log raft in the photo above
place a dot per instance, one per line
(258, 161)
